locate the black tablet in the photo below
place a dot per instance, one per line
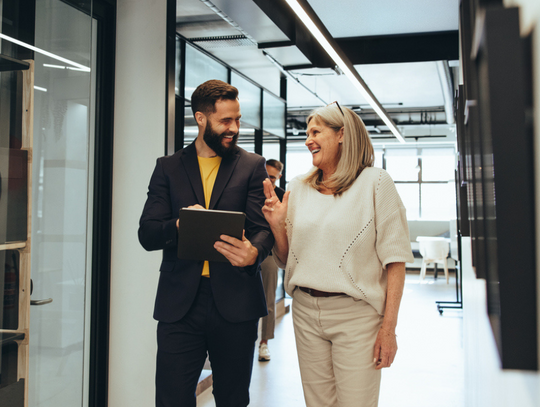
(199, 229)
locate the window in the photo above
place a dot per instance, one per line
(438, 200)
(402, 164)
(438, 164)
(409, 194)
(271, 148)
(299, 159)
(379, 158)
(424, 178)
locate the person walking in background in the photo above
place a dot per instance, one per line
(269, 273)
(208, 307)
(275, 170)
(342, 236)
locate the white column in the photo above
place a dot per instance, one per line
(139, 133)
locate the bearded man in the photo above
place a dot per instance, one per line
(204, 307)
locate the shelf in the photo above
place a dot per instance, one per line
(12, 64)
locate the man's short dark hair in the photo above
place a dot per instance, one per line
(276, 164)
(208, 93)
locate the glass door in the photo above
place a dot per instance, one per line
(63, 159)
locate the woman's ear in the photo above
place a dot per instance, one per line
(340, 134)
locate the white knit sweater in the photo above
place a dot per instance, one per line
(343, 244)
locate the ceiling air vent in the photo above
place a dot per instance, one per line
(223, 41)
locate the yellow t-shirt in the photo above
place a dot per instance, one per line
(209, 168)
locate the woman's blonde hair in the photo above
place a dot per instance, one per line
(356, 151)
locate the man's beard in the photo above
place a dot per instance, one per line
(214, 141)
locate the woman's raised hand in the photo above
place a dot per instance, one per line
(274, 211)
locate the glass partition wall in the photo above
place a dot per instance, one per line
(200, 67)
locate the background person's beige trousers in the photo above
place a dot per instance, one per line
(269, 273)
(335, 338)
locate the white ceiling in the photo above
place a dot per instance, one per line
(400, 87)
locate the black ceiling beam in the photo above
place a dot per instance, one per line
(297, 67)
(274, 44)
(281, 14)
(435, 46)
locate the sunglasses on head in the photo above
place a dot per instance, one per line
(339, 107)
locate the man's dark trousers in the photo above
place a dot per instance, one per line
(182, 349)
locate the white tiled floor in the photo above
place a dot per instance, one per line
(428, 370)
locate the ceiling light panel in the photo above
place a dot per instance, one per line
(359, 18)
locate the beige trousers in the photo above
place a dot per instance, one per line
(269, 273)
(335, 338)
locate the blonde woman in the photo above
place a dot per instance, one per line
(341, 235)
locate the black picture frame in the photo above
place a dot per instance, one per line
(501, 169)
(461, 178)
(468, 142)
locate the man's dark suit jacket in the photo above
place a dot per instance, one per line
(279, 193)
(176, 183)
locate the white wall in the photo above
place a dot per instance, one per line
(138, 140)
(486, 385)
